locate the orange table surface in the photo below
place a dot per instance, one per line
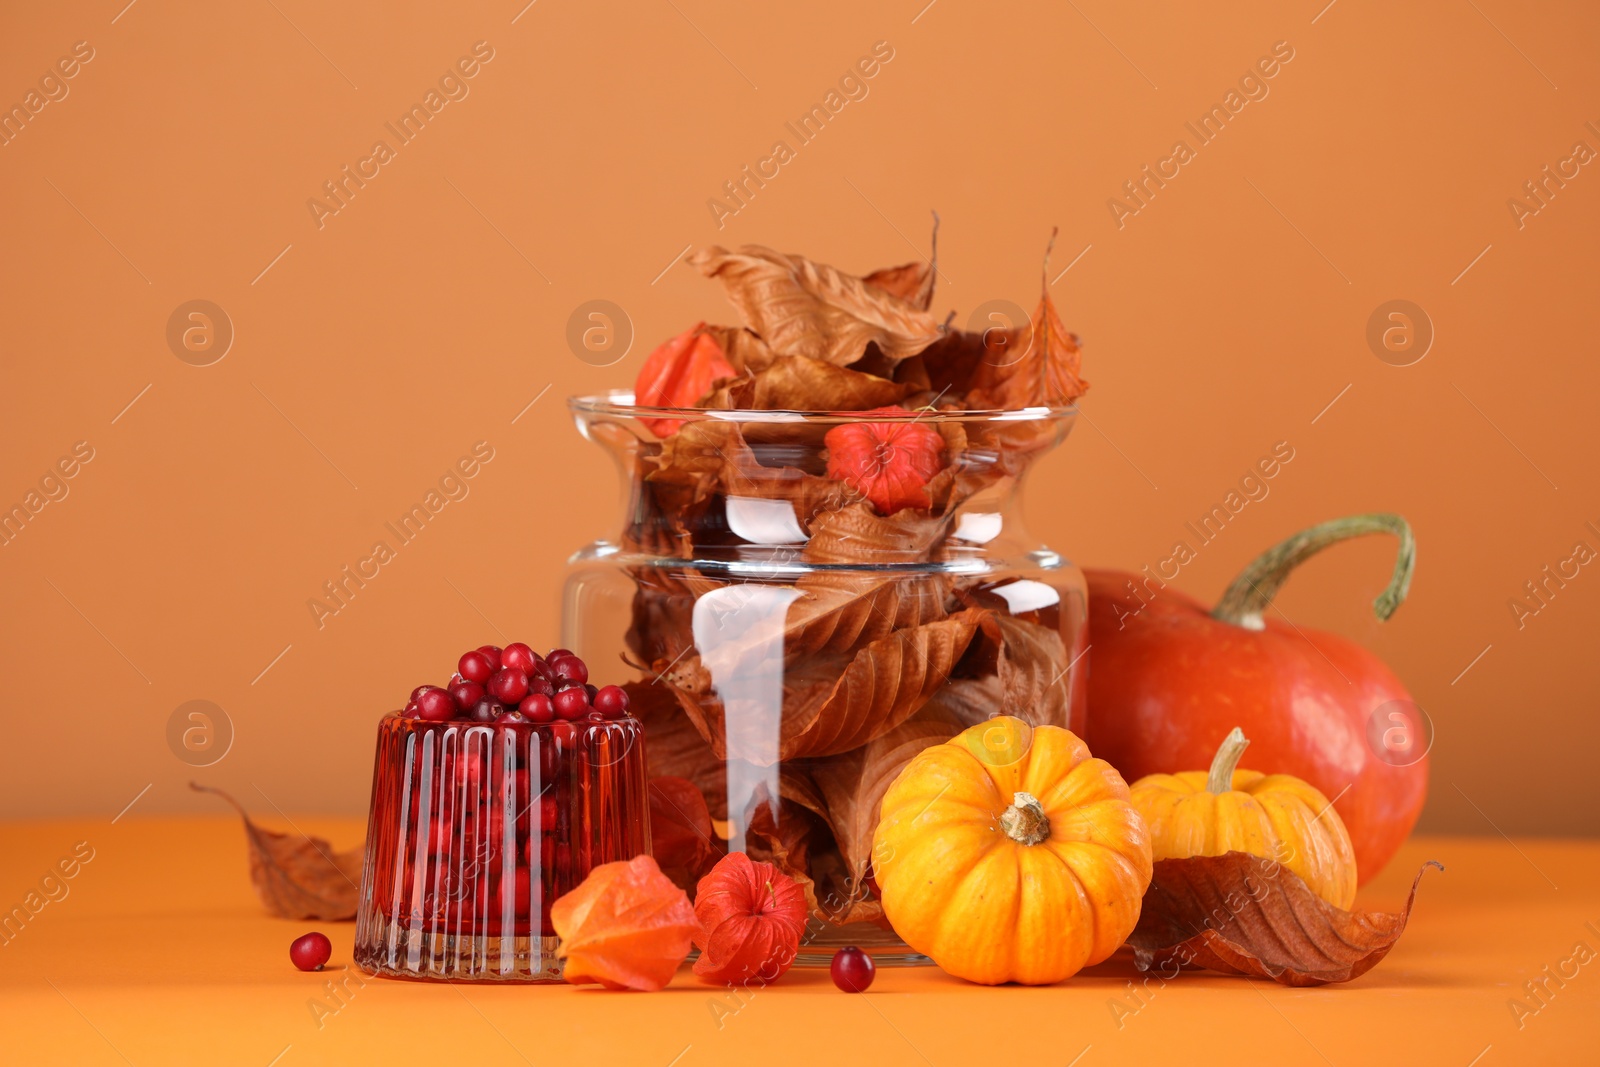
(159, 953)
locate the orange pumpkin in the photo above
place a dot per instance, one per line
(1274, 816)
(1009, 854)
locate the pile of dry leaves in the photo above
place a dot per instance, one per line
(824, 675)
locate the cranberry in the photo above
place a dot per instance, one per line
(518, 657)
(852, 970)
(435, 705)
(418, 691)
(611, 701)
(510, 716)
(310, 951)
(466, 695)
(476, 667)
(557, 653)
(487, 710)
(570, 668)
(538, 683)
(508, 686)
(591, 689)
(412, 711)
(538, 708)
(571, 704)
(493, 654)
(519, 885)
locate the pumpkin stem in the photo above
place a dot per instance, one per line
(1025, 821)
(1220, 780)
(1244, 601)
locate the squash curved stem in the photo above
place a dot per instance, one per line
(1250, 594)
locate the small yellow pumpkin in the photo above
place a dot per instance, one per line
(1009, 854)
(1274, 816)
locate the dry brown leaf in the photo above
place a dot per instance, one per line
(801, 308)
(838, 612)
(298, 877)
(687, 469)
(957, 360)
(1240, 914)
(1030, 662)
(681, 838)
(911, 282)
(854, 782)
(800, 383)
(663, 610)
(746, 352)
(673, 744)
(1043, 372)
(858, 534)
(830, 703)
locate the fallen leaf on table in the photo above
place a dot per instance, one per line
(298, 877)
(1241, 914)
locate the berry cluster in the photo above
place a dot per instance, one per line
(516, 684)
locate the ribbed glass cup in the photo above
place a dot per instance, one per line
(475, 830)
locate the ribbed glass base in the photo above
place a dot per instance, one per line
(401, 953)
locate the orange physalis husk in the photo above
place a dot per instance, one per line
(678, 374)
(889, 463)
(752, 916)
(626, 926)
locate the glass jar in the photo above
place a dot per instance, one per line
(796, 638)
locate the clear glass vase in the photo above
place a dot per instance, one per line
(795, 637)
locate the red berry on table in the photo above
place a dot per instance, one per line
(571, 704)
(570, 668)
(518, 657)
(538, 708)
(435, 705)
(611, 701)
(476, 667)
(486, 710)
(466, 695)
(493, 654)
(852, 970)
(310, 951)
(508, 686)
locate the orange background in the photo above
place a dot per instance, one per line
(372, 352)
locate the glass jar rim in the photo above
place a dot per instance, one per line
(620, 403)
